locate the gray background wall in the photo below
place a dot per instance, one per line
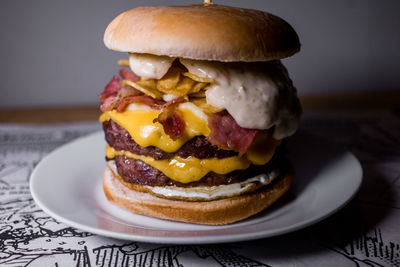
(51, 52)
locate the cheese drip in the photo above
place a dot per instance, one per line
(186, 170)
(138, 121)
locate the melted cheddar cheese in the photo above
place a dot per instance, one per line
(263, 148)
(139, 124)
(138, 121)
(186, 170)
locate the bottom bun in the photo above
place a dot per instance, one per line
(215, 212)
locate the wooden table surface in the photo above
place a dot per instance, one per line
(378, 100)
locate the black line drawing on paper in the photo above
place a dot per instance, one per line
(29, 237)
(371, 250)
(27, 233)
(350, 234)
(135, 254)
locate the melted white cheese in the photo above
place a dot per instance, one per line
(150, 66)
(257, 95)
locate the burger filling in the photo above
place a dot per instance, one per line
(210, 187)
(196, 130)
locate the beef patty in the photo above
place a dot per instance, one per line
(137, 172)
(198, 147)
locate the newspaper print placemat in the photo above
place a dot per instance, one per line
(364, 233)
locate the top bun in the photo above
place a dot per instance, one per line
(202, 32)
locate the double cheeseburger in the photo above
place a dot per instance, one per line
(195, 120)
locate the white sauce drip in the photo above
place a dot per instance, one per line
(212, 192)
(150, 66)
(257, 95)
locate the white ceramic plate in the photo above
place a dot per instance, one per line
(66, 184)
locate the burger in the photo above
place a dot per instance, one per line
(195, 121)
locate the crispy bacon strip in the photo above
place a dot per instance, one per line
(114, 93)
(108, 103)
(147, 100)
(128, 91)
(174, 126)
(111, 88)
(126, 74)
(227, 134)
(170, 119)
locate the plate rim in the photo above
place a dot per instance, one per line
(193, 239)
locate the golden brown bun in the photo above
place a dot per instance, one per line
(203, 32)
(216, 212)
